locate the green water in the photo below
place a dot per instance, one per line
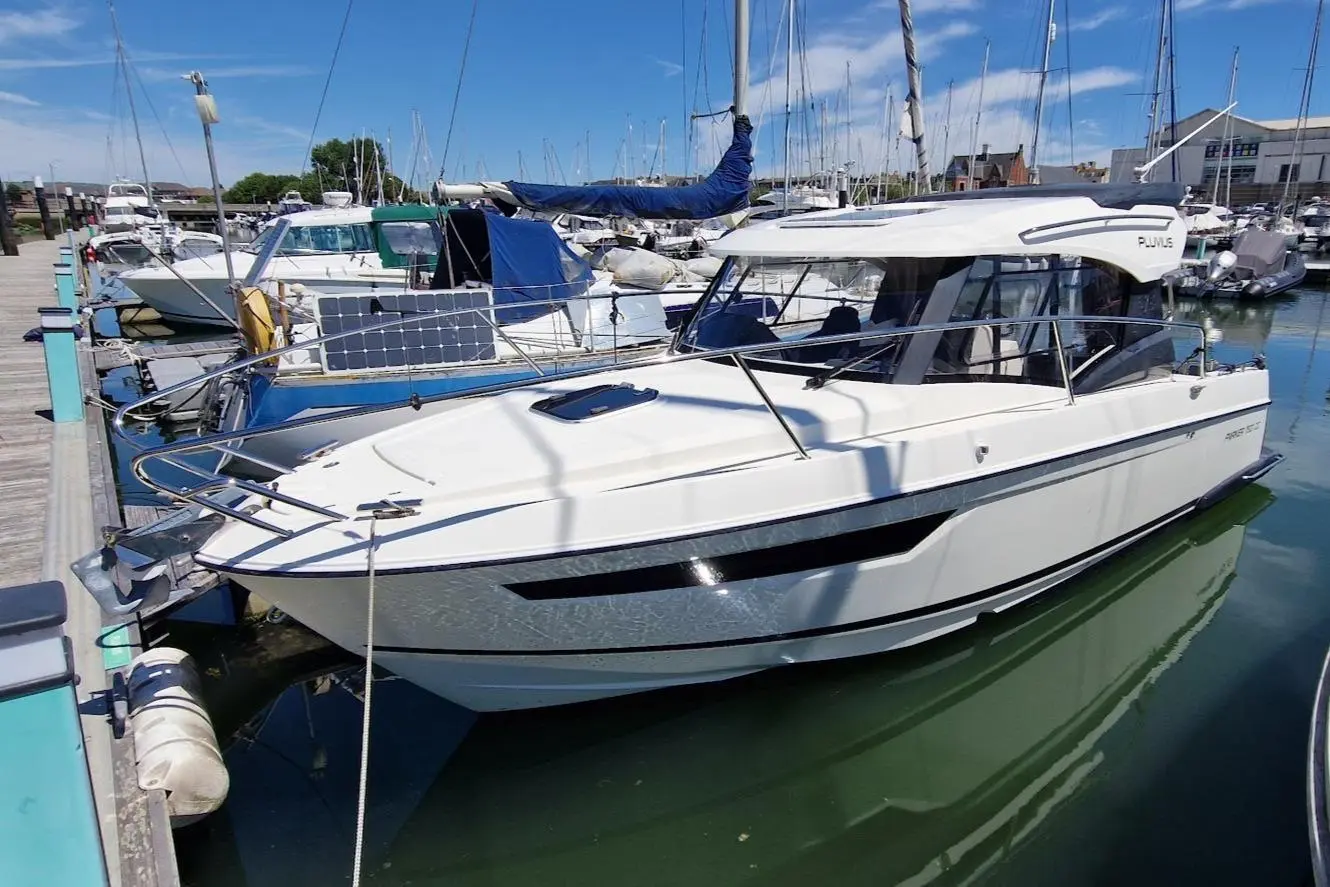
(1146, 724)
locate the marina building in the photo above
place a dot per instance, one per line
(1261, 152)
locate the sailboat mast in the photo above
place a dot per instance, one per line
(378, 168)
(789, 65)
(129, 91)
(1294, 161)
(1153, 137)
(1172, 91)
(979, 113)
(915, 99)
(1049, 35)
(740, 57)
(849, 134)
(1227, 144)
(946, 126)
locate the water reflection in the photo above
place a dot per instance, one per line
(923, 767)
(1238, 322)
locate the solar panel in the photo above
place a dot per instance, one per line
(431, 341)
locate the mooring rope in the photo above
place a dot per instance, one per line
(364, 723)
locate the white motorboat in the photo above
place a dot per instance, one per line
(990, 403)
(801, 198)
(294, 202)
(332, 250)
(146, 241)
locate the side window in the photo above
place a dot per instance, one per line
(412, 238)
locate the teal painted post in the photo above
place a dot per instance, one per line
(64, 286)
(62, 364)
(1200, 248)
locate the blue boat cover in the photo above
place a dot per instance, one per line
(531, 264)
(724, 191)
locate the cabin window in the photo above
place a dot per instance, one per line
(412, 238)
(797, 303)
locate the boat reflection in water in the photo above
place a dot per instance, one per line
(1246, 324)
(914, 768)
(926, 766)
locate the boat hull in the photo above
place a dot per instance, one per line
(178, 303)
(526, 634)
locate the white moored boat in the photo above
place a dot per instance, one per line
(989, 403)
(331, 250)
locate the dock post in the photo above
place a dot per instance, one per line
(64, 286)
(39, 194)
(66, 255)
(62, 365)
(8, 243)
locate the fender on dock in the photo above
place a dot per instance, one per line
(175, 747)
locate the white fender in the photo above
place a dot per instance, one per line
(174, 744)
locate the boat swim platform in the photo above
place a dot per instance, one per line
(58, 488)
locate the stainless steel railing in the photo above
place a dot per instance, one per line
(222, 441)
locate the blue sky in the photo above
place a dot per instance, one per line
(548, 77)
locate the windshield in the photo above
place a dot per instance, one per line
(755, 301)
(311, 240)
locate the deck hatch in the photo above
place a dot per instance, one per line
(598, 400)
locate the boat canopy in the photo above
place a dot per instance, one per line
(1137, 228)
(523, 259)
(724, 191)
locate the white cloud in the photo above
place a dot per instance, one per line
(1099, 19)
(43, 23)
(1185, 5)
(672, 69)
(163, 74)
(28, 134)
(15, 99)
(824, 62)
(88, 61)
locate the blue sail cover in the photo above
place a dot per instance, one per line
(531, 264)
(724, 191)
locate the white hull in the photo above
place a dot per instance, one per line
(177, 302)
(1033, 521)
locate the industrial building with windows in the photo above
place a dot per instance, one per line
(1261, 153)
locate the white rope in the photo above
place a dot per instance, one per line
(364, 724)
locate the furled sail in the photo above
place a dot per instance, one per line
(724, 191)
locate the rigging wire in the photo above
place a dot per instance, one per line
(153, 108)
(457, 93)
(341, 35)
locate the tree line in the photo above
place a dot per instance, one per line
(335, 165)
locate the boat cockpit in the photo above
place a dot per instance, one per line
(801, 301)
